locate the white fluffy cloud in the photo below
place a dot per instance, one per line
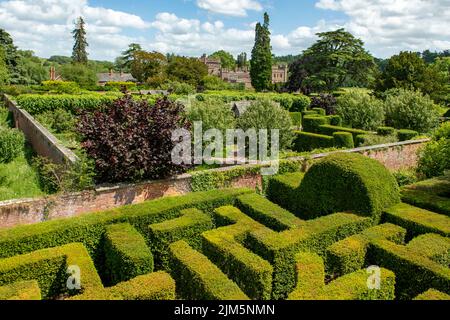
(236, 8)
(45, 25)
(388, 26)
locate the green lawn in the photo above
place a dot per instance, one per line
(18, 179)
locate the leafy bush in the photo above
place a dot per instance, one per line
(405, 135)
(405, 177)
(434, 158)
(61, 86)
(343, 140)
(412, 110)
(264, 114)
(296, 119)
(180, 88)
(319, 111)
(213, 114)
(335, 120)
(84, 76)
(36, 104)
(326, 102)
(132, 141)
(306, 141)
(312, 123)
(369, 139)
(347, 182)
(385, 131)
(360, 110)
(59, 120)
(12, 142)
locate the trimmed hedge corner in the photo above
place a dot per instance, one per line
(406, 135)
(343, 140)
(306, 141)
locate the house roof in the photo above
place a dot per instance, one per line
(116, 77)
(240, 107)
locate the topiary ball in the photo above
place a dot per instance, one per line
(345, 182)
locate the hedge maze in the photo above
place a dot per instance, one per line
(314, 236)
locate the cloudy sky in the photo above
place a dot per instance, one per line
(193, 27)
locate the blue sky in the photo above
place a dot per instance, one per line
(193, 27)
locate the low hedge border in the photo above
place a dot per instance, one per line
(353, 286)
(126, 254)
(281, 189)
(222, 246)
(349, 255)
(268, 213)
(22, 290)
(197, 278)
(312, 123)
(433, 246)
(343, 140)
(306, 141)
(48, 267)
(90, 228)
(329, 130)
(406, 135)
(152, 286)
(315, 236)
(417, 221)
(188, 227)
(415, 273)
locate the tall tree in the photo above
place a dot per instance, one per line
(189, 70)
(242, 61)
(226, 58)
(79, 54)
(4, 74)
(148, 66)
(338, 59)
(126, 59)
(261, 62)
(12, 57)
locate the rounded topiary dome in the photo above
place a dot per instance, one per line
(345, 182)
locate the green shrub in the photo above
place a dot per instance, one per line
(59, 120)
(405, 177)
(347, 182)
(330, 130)
(312, 123)
(411, 110)
(264, 114)
(309, 113)
(36, 104)
(84, 76)
(213, 114)
(360, 110)
(417, 221)
(335, 120)
(187, 227)
(320, 111)
(385, 131)
(433, 294)
(126, 254)
(405, 135)
(305, 141)
(281, 189)
(198, 278)
(434, 158)
(180, 88)
(343, 140)
(443, 132)
(369, 139)
(12, 143)
(296, 119)
(61, 86)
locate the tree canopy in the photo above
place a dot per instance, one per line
(261, 62)
(79, 53)
(226, 58)
(125, 60)
(189, 70)
(337, 59)
(147, 66)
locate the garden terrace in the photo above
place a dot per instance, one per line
(236, 244)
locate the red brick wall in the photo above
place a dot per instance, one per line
(27, 211)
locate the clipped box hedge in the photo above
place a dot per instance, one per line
(126, 253)
(312, 123)
(330, 130)
(296, 118)
(36, 104)
(197, 278)
(406, 135)
(343, 140)
(188, 227)
(305, 141)
(281, 189)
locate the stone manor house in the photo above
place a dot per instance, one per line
(279, 72)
